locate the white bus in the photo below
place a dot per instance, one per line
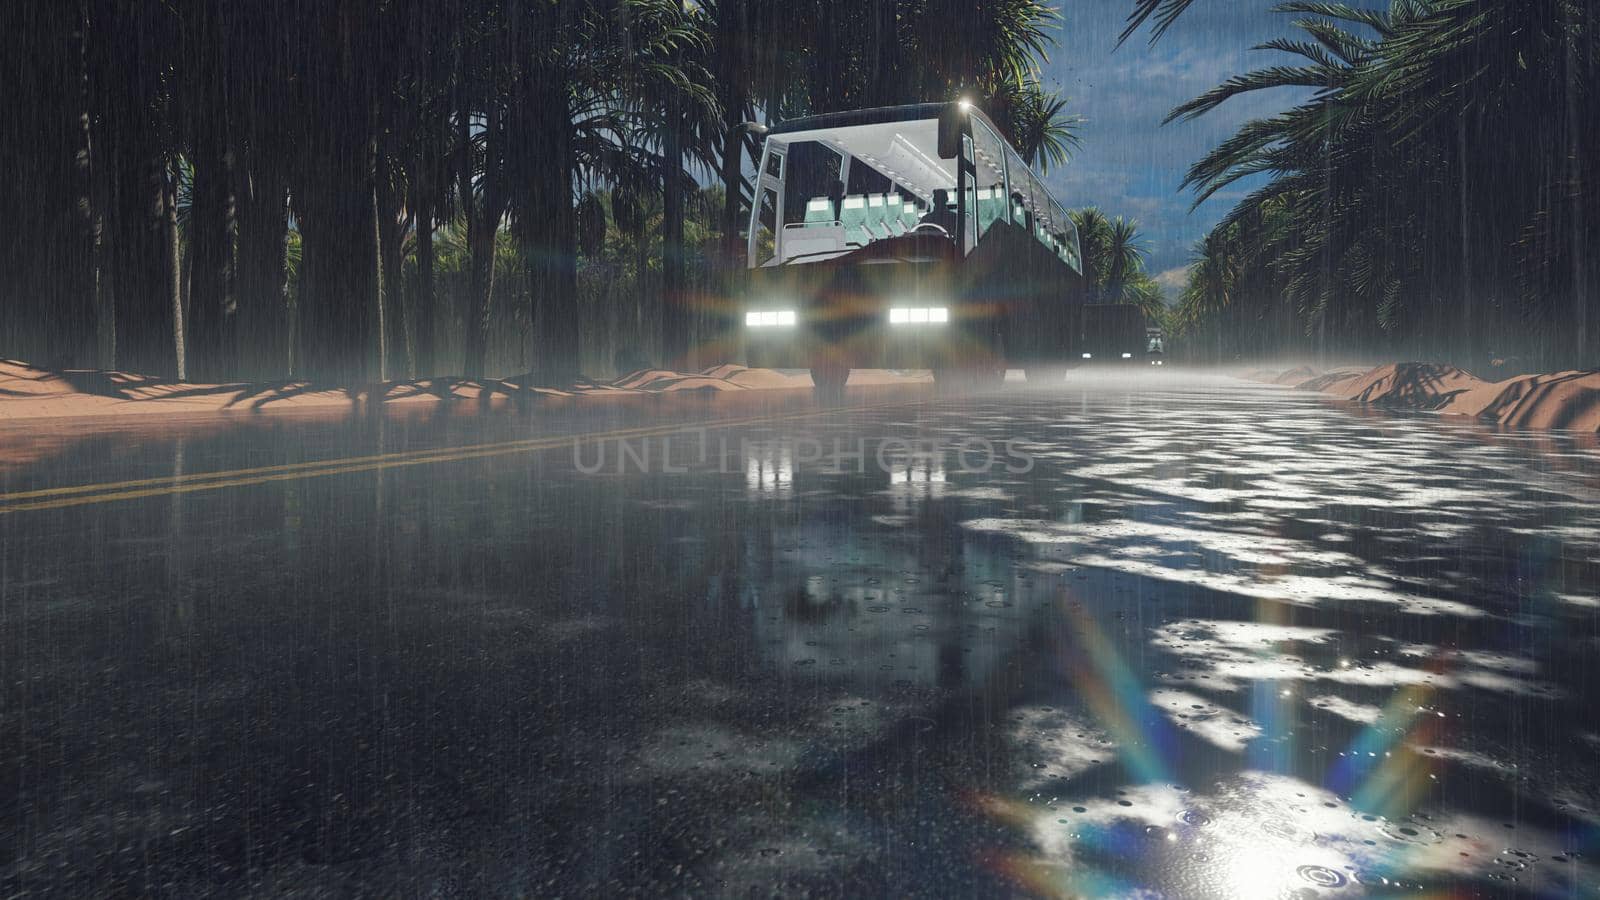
(907, 237)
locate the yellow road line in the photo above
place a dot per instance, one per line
(108, 492)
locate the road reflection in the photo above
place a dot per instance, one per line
(1209, 640)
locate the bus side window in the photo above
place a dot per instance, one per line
(991, 194)
(969, 228)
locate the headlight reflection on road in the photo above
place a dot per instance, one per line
(935, 315)
(770, 318)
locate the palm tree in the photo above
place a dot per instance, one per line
(1322, 156)
(1094, 231)
(1124, 259)
(1041, 128)
(1431, 189)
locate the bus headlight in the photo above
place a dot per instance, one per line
(770, 318)
(919, 315)
(1088, 356)
(1127, 356)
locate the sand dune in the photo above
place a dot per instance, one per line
(1563, 400)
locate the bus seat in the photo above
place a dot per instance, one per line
(911, 213)
(991, 206)
(876, 214)
(893, 212)
(819, 211)
(853, 216)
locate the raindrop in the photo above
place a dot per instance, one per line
(1322, 876)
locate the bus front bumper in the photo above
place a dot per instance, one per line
(901, 338)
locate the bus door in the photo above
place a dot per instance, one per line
(767, 211)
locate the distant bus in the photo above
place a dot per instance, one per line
(1113, 333)
(1155, 346)
(906, 237)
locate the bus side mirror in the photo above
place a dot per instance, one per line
(950, 122)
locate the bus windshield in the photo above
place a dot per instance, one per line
(839, 182)
(844, 188)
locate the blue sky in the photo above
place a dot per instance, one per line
(1130, 164)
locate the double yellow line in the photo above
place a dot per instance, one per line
(139, 488)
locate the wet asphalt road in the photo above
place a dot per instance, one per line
(1172, 636)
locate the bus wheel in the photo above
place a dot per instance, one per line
(827, 382)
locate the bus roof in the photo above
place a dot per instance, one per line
(876, 116)
(905, 150)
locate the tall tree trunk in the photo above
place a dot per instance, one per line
(1580, 193)
(674, 304)
(391, 236)
(338, 289)
(1465, 351)
(483, 229)
(47, 274)
(335, 212)
(263, 328)
(141, 257)
(173, 245)
(261, 142)
(482, 238)
(376, 299)
(732, 37)
(213, 230)
(550, 246)
(733, 249)
(422, 294)
(81, 304)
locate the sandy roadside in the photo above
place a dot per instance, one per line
(28, 393)
(1568, 401)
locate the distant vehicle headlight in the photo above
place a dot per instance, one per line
(1088, 356)
(919, 315)
(770, 318)
(1127, 356)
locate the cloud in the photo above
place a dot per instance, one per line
(1174, 280)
